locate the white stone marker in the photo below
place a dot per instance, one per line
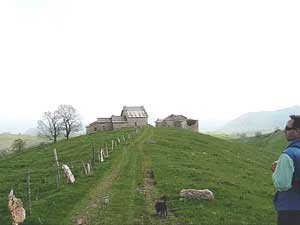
(101, 155)
(68, 173)
(88, 168)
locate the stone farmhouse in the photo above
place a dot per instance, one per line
(130, 117)
(178, 121)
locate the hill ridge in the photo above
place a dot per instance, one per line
(179, 158)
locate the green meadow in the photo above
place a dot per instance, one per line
(237, 172)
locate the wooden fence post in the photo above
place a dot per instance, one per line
(57, 169)
(99, 160)
(107, 153)
(85, 170)
(101, 156)
(93, 152)
(29, 192)
(88, 167)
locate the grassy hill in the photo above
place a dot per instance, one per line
(238, 174)
(273, 143)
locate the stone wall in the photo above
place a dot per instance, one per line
(94, 127)
(186, 124)
(168, 123)
(139, 122)
(194, 126)
(117, 126)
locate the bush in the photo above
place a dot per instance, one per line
(18, 145)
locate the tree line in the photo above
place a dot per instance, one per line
(63, 121)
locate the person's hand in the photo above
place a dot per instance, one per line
(274, 164)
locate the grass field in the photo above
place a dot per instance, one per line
(48, 205)
(238, 174)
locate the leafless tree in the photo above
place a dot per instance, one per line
(70, 119)
(51, 125)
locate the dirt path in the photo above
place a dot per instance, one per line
(130, 189)
(94, 201)
(148, 190)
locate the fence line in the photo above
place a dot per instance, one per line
(33, 186)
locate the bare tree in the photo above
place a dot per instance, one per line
(70, 119)
(51, 125)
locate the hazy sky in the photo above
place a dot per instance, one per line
(209, 60)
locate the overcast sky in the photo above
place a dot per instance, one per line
(209, 60)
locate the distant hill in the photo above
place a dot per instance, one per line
(211, 125)
(32, 132)
(271, 142)
(6, 140)
(265, 121)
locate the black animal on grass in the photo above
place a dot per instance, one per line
(161, 207)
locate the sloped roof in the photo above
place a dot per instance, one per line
(134, 112)
(91, 124)
(176, 117)
(118, 119)
(104, 120)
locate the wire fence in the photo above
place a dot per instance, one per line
(32, 185)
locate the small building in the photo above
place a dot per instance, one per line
(178, 121)
(130, 117)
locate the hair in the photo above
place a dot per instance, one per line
(296, 119)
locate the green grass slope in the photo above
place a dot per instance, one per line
(272, 143)
(239, 176)
(50, 206)
(237, 173)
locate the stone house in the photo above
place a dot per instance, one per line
(178, 121)
(130, 117)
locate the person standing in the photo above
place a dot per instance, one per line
(286, 176)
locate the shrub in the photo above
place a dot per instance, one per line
(18, 145)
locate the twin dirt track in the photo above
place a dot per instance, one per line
(130, 191)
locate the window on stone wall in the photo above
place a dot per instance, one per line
(95, 128)
(191, 122)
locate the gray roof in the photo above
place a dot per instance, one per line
(176, 117)
(118, 119)
(135, 112)
(104, 120)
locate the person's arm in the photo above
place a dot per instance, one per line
(283, 174)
